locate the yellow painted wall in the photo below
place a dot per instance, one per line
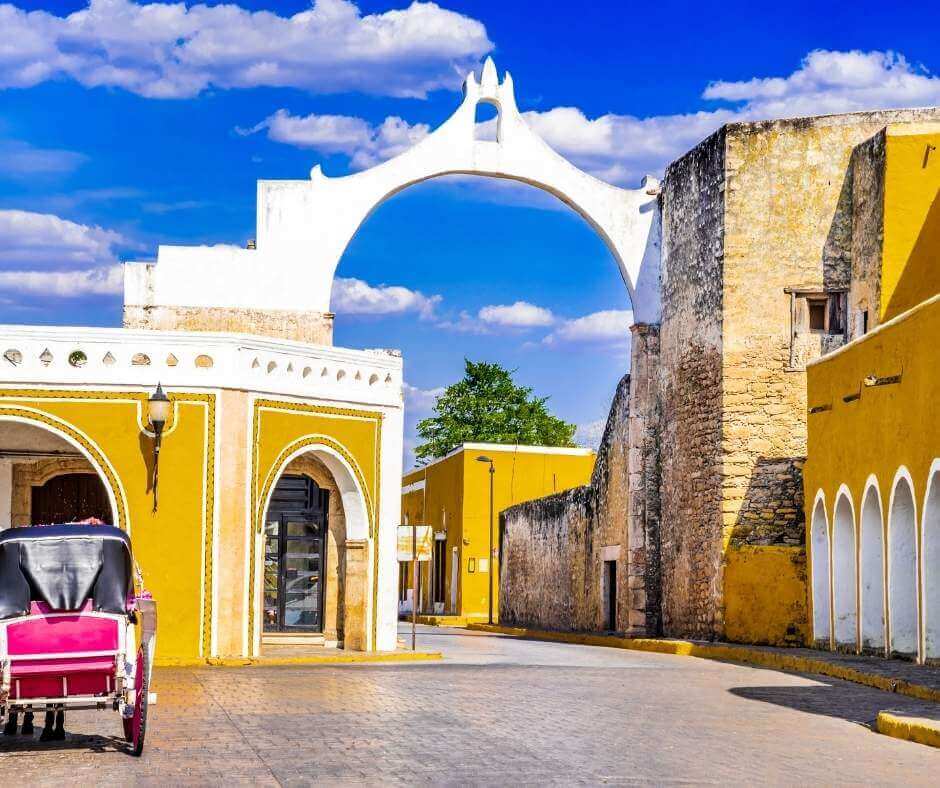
(911, 252)
(169, 545)
(459, 486)
(888, 426)
(765, 595)
(279, 430)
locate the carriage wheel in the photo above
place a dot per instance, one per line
(136, 726)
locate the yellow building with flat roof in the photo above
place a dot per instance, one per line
(452, 495)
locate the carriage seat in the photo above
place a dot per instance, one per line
(66, 568)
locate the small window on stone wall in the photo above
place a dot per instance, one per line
(817, 319)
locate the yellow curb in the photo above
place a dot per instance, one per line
(325, 659)
(439, 621)
(727, 653)
(916, 729)
(314, 659)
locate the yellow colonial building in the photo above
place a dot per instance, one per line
(872, 478)
(452, 495)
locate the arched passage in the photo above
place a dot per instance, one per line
(930, 561)
(315, 529)
(819, 541)
(48, 476)
(871, 560)
(844, 577)
(902, 568)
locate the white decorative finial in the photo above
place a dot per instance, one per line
(489, 81)
(470, 83)
(316, 172)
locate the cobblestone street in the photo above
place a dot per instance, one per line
(496, 711)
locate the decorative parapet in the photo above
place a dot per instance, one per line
(120, 357)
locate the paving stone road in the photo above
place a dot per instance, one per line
(496, 711)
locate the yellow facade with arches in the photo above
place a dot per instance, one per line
(872, 477)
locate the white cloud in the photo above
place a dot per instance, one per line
(43, 254)
(623, 148)
(364, 144)
(19, 159)
(521, 314)
(420, 402)
(589, 435)
(65, 284)
(356, 297)
(29, 239)
(610, 326)
(163, 50)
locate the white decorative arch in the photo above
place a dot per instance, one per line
(351, 493)
(844, 573)
(88, 449)
(304, 226)
(930, 562)
(872, 567)
(903, 630)
(819, 561)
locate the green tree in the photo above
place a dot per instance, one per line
(488, 407)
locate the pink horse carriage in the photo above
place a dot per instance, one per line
(73, 633)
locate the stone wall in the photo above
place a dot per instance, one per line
(868, 203)
(690, 348)
(553, 549)
(312, 327)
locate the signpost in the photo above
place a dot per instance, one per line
(414, 544)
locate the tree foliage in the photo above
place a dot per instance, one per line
(488, 407)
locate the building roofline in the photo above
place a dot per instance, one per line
(513, 448)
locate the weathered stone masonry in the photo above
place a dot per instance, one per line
(753, 218)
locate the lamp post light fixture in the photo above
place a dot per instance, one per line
(158, 410)
(483, 458)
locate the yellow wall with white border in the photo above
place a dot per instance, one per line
(173, 546)
(280, 430)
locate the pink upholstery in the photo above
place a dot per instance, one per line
(61, 634)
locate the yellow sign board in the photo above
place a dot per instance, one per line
(410, 536)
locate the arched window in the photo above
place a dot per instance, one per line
(872, 569)
(486, 122)
(819, 546)
(844, 578)
(902, 569)
(931, 563)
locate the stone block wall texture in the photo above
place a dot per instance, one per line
(315, 328)
(754, 209)
(690, 391)
(868, 205)
(552, 549)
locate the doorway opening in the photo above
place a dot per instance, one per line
(440, 569)
(295, 530)
(70, 498)
(609, 591)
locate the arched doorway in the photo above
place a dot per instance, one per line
(47, 477)
(315, 572)
(844, 577)
(295, 530)
(872, 600)
(931, 564)
(819, 530)
(902, 569)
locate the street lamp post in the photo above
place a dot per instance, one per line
(158, 410)
(492, 472)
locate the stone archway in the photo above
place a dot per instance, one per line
(35, 452)
(930, 561)
(347, 571)
(819, 536)
(304, 226)
(844, 575)
(871, 561)
(903, 635)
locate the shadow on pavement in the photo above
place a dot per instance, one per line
(842, 701)
(74, 741)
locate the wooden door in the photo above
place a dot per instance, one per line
(69, 498)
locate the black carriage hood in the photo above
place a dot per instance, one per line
(63, 565)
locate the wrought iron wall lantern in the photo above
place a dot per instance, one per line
(158, 410)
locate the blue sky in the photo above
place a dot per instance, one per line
(124, 126)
